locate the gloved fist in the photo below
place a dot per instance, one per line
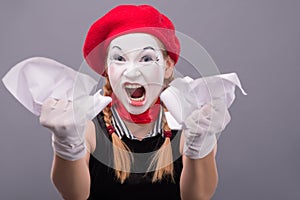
(201, 127)
(67, 120)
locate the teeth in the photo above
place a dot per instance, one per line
(133, 86)
(137, 99)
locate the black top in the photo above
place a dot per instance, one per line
(104, 184)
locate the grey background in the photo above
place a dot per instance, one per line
(259, 39)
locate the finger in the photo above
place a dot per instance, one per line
(219, 108)
(206, 109)
(68, 106)
(197, 121)
(61, 104)
(203, 113)
(48, 105)
(47, 108)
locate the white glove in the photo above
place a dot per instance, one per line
(67, 120)
(201, 127)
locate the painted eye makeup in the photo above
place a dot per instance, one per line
(148, 58)
(149, 55)
(118, 57)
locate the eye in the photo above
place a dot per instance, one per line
(118, 57)
(146, 58)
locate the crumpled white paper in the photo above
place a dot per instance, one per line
(34, 80)
(185, 95)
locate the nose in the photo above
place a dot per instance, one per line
(132, 72)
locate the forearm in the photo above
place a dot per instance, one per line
(199, 177)
(71, 178)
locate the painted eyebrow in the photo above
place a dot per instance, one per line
(116, 47)
(148, 48)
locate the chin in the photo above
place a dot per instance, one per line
(135, 110)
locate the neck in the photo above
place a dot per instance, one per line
(139, 130)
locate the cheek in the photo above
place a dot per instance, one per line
(111, 70)
(114, 74)
(156, 75)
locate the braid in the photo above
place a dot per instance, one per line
(163, 158)
(122, 155)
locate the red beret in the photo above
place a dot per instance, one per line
(125, 19)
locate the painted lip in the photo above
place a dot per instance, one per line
(135, 102)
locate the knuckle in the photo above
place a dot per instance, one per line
(42, 120)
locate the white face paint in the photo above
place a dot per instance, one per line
(136, 69)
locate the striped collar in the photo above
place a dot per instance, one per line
(121, 129)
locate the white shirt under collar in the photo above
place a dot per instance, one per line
(121, 129)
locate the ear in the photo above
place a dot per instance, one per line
(169, 68)
(105, 73)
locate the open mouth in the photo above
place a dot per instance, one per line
(135, 92)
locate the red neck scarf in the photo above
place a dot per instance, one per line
(143, 118)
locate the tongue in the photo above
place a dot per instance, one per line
(137, 93)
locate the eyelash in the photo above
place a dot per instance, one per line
(117, 57)
(147, 56)
(122, 59)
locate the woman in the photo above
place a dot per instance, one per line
(135, 48)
